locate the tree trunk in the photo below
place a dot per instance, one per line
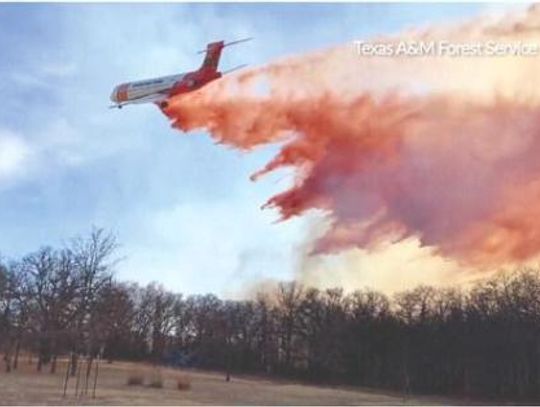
(40, 362)
(44, 356)
(7, 360)
(53, 364)
(17, 350)
(227, 360)
(89, 362)
(74, 361)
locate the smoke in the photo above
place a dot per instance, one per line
(441, 151)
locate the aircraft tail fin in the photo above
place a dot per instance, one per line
(213, 53)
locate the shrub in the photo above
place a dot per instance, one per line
(183, 383)
(135, 379)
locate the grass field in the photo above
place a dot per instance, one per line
(25, 386)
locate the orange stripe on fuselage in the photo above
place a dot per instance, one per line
(121, 93)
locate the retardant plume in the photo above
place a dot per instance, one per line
(443, 149)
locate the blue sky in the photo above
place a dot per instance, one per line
(183, 208)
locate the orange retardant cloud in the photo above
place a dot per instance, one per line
(446, 150)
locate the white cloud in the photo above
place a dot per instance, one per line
(220, 246)
(59, 69)
(29, 80)
(33, 154)
(62, 143)
(14, 155)
(41, 76)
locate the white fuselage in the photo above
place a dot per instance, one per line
(140, 90)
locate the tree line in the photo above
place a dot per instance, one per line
(481, 342)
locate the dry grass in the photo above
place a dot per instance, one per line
(135, 379)
(183, 383)
(156, 381)
(25, 386)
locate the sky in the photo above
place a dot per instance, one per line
(184, 210)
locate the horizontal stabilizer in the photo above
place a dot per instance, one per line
(227, 44)
(236, 68)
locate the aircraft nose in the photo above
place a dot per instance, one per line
(114, 95)
(120, 93)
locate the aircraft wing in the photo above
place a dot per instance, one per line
(153, 98)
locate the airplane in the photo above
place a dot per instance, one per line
(160, 90)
